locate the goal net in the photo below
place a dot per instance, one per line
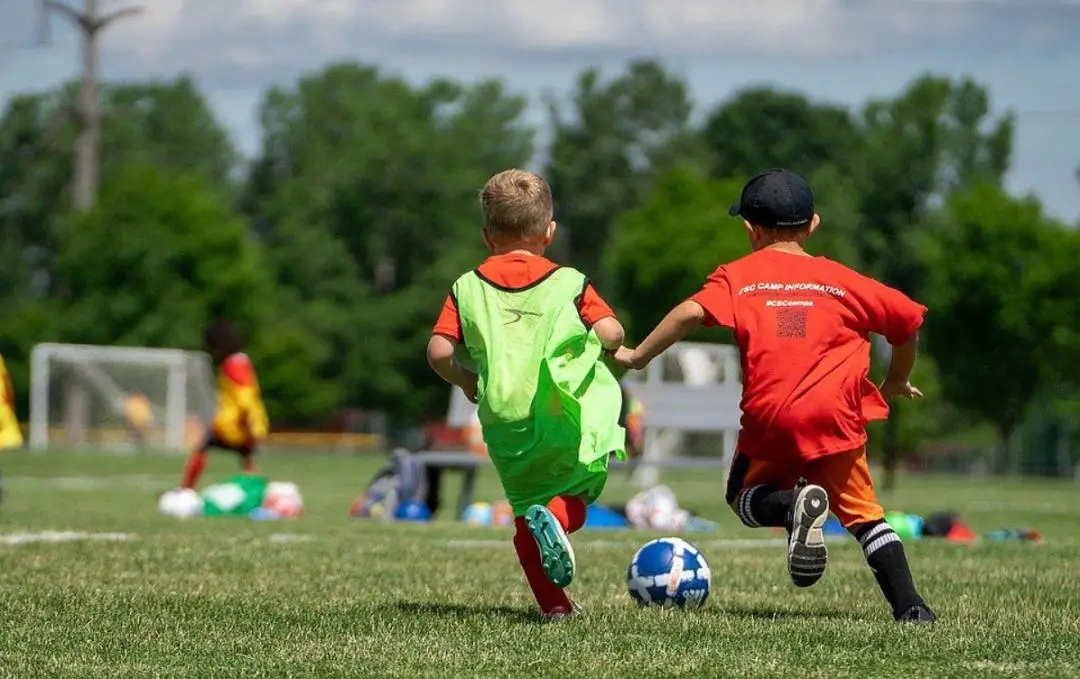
(690, 396)
(118, 398)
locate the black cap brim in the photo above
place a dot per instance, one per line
(734, 210)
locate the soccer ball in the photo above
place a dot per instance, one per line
(283, 499)
(412, 510)
(669, 572)
(181, 503)
(479, 514)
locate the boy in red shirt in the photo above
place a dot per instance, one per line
(802, 324)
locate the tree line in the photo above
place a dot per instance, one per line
(335, 245)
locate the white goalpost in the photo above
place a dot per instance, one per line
(692, 389)
(116, 398)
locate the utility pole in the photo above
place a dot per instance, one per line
(90, 23)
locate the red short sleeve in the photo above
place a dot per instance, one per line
(239, 370)
(449, 322)
(715, 298)
(891, 313)
(592, 306)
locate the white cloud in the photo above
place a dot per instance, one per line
(283, 32)
(845, 50)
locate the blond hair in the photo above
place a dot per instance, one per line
(517, 205)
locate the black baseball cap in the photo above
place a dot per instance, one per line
(776, 198)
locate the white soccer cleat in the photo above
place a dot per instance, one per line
(807, 555)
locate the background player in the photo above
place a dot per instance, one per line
(240, 422)
(548, 406)
(802, 324)
(10, 433)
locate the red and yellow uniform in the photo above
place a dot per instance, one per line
(802, 325)
(10, 433)
(240, 420)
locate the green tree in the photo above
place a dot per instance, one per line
(161, 255)
(166, 124)
(761, 128)
(608, 142)
(936, 137)
(842, 228)
(365, 193)
(663, 250)
(156, 261)
(1000, 290)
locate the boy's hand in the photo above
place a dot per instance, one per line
(625, 357)
(905, 389)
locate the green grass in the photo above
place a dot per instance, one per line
(226, 598)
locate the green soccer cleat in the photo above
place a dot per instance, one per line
(556, 553)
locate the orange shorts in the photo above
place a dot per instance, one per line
(844, 476)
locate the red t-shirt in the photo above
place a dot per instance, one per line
(517, 271)
(802, 325)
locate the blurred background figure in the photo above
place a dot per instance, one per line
(10, 432)
(240, 423)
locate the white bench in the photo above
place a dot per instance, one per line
(692, 388)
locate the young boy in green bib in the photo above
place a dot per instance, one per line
(524, 339)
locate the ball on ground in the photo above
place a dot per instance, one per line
(181, 503)
(669, 572)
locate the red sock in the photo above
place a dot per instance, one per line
(548, 596)
(570, 511)
(249, 464)
(194, 469)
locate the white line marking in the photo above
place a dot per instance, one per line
(62, 536)
(289, 537)
(90, 483)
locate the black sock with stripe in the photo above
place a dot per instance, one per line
(763, 506)
(884, 554)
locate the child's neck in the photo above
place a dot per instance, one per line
(519, 249)
(788, 246)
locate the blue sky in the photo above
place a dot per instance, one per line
(1026, 51)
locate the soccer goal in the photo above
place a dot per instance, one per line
(691, 397)
(118, 398)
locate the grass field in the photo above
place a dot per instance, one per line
(328, 596)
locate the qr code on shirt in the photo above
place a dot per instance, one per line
(791, 322)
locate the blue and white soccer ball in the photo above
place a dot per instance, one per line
(669, 572)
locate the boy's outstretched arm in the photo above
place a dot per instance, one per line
(897, 380)
(440, 355)
(679, 323)
(610, 332)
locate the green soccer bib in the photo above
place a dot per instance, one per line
(548, 405)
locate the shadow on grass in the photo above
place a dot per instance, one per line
(779, 614)
(463, 611)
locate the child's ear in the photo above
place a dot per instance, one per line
(487, 239)
(549, 235)
(751, 233)
(814, 224)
